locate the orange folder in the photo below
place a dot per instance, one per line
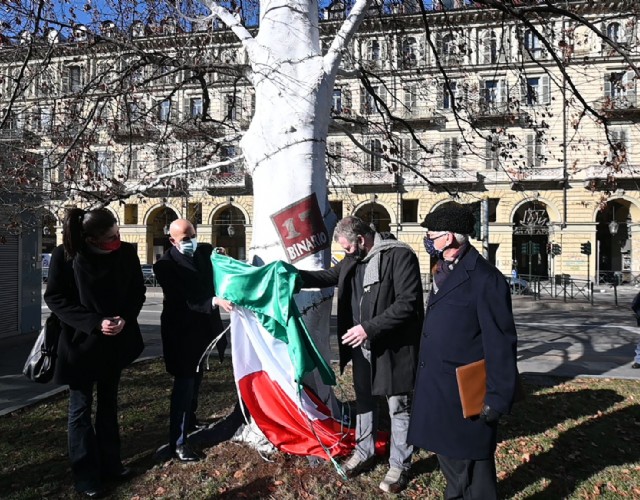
(472, 386)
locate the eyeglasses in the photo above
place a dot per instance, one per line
(435, 238)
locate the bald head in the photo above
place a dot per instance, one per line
(181, 230)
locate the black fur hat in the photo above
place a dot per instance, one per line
(451, 217)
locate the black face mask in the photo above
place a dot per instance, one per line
(359, 254)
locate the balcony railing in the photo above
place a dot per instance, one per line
(362, 177)
(536, 174)
(18, 135)
(195, 130)
(423, 114)
(624, 107)
(135, 131)
(602, 176)
(452, 176)
(233, 180)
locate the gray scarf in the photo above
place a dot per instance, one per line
(373, 259)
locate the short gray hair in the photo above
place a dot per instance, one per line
(461, 238)
(350, 228)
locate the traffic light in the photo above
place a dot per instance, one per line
(535, 248)
(585, 248)
(524, 248)
(549, 249)
(556, 249)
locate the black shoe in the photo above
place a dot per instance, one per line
(635, 366)
(186, 454)
(121, 475)
(197, 426)
(97, 492)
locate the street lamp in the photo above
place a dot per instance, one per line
(613, 225)
(231, 231)
(165, 230)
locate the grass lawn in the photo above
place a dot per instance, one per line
(567, 439)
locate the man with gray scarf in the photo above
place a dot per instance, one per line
(380, 312)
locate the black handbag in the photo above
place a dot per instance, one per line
(41, 362)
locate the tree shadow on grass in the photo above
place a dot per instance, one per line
(539, 412)
(582, 451)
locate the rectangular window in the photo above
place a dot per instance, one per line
(449, 94)
(75, 79)
(195, 107)
(233, 105)
(411, 97)
(409, 211)
(104, 164)
(536, 91)
(337, 101)
(334, 157)
(492, 156)
(619, 153)
(135, 165)
(375, 161)
(163, 161)
(535, 151)
(451, 152)
(164, 111)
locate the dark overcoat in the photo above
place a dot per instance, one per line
(469, 319)
(189, 321)
(391, 316)
(84, 291)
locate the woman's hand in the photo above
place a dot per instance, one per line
(112, 326)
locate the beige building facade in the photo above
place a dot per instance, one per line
(534, 125)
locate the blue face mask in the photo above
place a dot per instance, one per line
(188, 247)
(430, 247)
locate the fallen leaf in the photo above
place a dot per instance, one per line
(160, 491)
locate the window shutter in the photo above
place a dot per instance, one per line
(186, 108)
(486, 48)
(546, 89)
(490, 155)
(440, 95)
(66, 79)
(530, 150)
(607, 86)
(454, 152)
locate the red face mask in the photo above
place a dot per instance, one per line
(110, 246)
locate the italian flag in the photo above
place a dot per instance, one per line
(272, 352)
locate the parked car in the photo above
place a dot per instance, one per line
(147, 274)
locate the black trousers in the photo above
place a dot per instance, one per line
(469, 479)
(94, 451)
(182, 412)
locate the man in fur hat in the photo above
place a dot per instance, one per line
(468, 318)
(379, 318)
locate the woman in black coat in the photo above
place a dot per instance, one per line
(96, 288)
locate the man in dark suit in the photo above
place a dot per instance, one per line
(379, 319)
(190, 321)
(468, 318)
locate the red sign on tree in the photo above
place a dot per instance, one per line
(301, 228)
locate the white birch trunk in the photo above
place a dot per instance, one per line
(284, 147)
